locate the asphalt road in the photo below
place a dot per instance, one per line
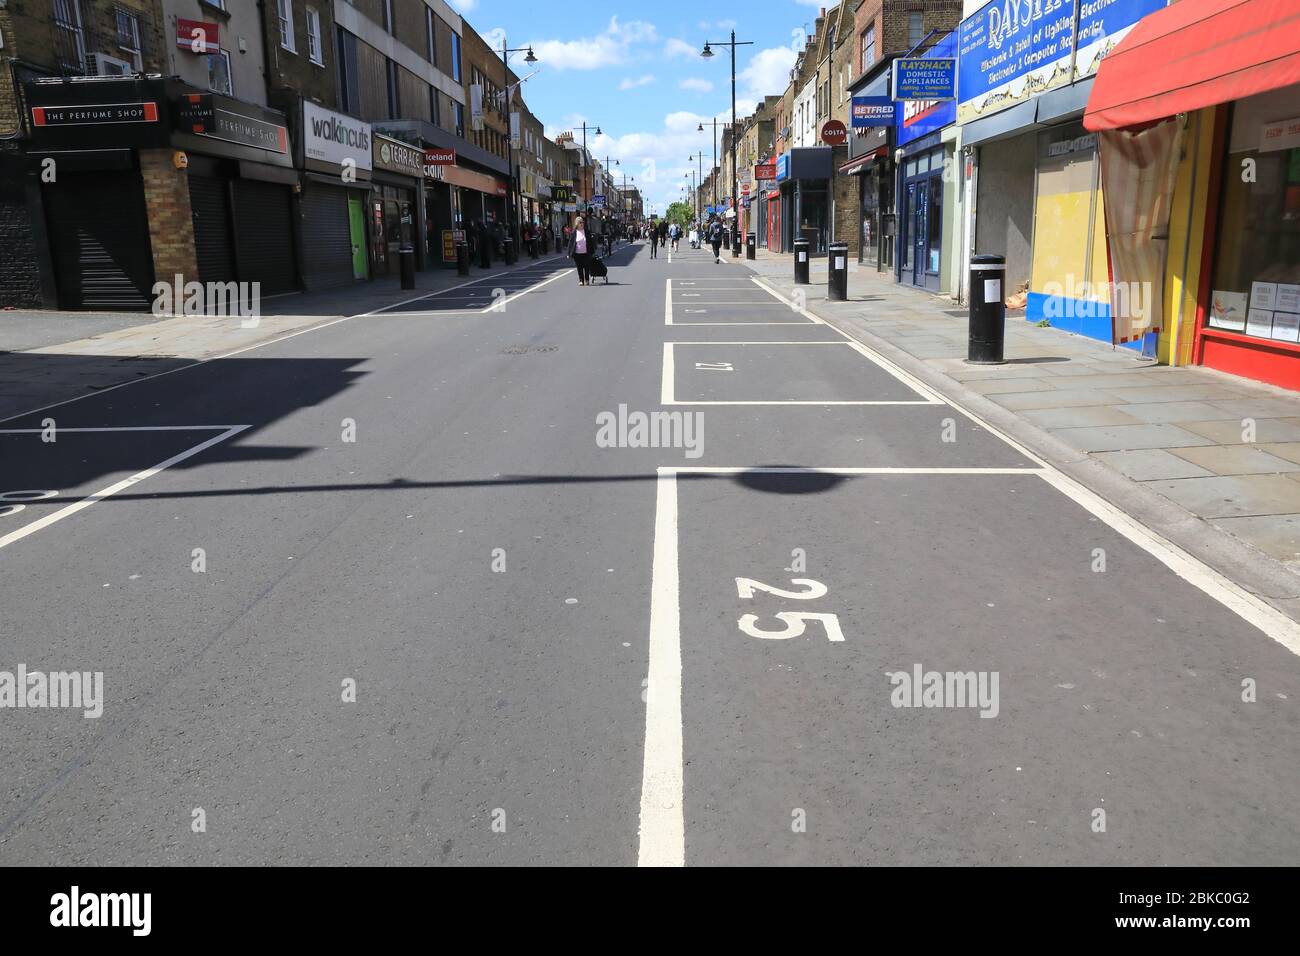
(567, 653)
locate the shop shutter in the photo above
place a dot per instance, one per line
(326, 237)
(99, 240)
(210, 208)
(264, 235)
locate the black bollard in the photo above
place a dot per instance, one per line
(801, 262)
(988, 311)
(406, 258)
(837, 271)
(462, 258)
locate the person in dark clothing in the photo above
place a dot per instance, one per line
(653, 235)
(581, 247)
(715, 239)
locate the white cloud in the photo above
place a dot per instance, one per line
(630, 83)
(680, 48)
(696, 85)
(464, 6)
(767, 73)
(610, 48)
(730, 24)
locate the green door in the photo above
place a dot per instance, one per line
(357, 225)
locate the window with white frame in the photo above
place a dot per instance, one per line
(285, 10)
(313, 36)
(69, 38)
(128, 37)
(219, 80)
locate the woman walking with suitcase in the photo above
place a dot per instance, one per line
(580, 249)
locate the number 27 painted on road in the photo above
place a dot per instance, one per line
(796, 622)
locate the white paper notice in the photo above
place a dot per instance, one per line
(1259, 322)
(839, 262)
(1286, 326)
(803, 257)
(1263, 295)
(992, 290)
(1288, 298)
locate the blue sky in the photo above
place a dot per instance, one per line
(634, 69)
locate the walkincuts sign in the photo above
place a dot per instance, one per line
(1012, 50)
(332, 138)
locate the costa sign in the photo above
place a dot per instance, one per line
(834, 133)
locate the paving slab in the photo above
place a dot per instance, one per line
(1128, 437)
(1230, 432)
(1176, 412)
(1236, 460)
(1276, 535)
(1234, 497)
(1081, 417)
(1151, 464)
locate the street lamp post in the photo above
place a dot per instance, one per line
(514, 208)
(735, 198)
(595, 129)
(699, 168)
(714, 167)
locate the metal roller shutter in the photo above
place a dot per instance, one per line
(99, 240)
(264, 235)
(326, 237)
(210, 208)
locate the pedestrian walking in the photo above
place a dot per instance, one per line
(652, 234)
(715, 240)
(580, 250)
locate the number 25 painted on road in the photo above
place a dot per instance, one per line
(796, 622)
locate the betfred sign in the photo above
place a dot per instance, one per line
(765, 171)
(834, 133)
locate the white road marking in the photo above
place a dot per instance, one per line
(1254, 610)
(453, 288)
(122, 485)
(928, 397)
(799, 470)
(500, 306)
(124, 428)
(663, 823)
(668, 302)
(669, 372)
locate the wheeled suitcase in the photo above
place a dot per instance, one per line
(597, 269)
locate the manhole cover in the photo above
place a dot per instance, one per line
(528, 349)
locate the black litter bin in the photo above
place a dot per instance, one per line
(751, 245)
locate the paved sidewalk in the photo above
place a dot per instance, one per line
(1181, 433)
(48, 357)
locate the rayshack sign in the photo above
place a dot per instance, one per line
(1012, 50)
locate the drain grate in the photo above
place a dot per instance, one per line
(528, 349)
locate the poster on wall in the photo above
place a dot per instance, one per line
(1228, 310)
(1259, 322)
(1287, 298)
(1263, 295)
(1286, 326)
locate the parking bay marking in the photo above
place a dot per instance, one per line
(226, 432)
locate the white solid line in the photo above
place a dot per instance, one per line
(805, 324)
(799, 470)
(917, 401)
(113, 489)
(663, 822)
(501, 306)
(668, 302)
(669, 370)
(453, 288)
(123, 428)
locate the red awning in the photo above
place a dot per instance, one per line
(859, 163)
(1194, 54)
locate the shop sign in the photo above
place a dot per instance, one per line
(397, 157)
(562, 194)
(1281, 134)
(334, 137)
(868, 112)
(1078, 144)
(1012, 50)
(917, 118)
(925, 78)
(196, 36)
(765, 171)
(834, 133)
(204, 114)
(783, 167)
(94, 114)
(598, 201)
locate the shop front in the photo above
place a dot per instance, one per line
(241, 182)
(1218, 133)
(396, 204)
(873, 116)
(1036, 173)
(444, 228)
(335, 155)
(90, 142)
(810, 172)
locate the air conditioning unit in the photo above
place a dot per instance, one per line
(104, 65)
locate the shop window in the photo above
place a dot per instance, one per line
(1256, 285)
